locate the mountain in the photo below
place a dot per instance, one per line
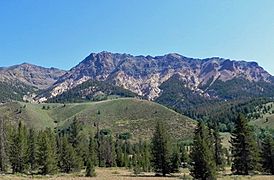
(145, 74)
(131, 115)
(31, 75)
(20, 80)
(212, 88)
(15, 90)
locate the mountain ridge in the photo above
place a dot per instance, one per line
(32, 75)
(144, 74)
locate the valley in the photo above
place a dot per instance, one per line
(113, 113)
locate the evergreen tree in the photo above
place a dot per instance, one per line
(18, 149)
(4, 159)
(77, 140)
(161, 150)
(106, 151)
(90, 170)
(136, 162)
(91, 150)
(69, 161)
(47, 157)
(202, 156)
(126, 160)
(119, 153)
(74, 131)
(111, 158)
(175, 159)
(146, 157)
(32, 150)
(244, 148)
(218, 150)
(268, 154)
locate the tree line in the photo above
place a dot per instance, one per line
(25, 150)
(250, 153)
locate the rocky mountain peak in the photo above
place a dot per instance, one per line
(144, 74)
(31, 75)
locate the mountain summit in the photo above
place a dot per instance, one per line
(145, 74)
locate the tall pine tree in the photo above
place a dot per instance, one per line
(4, 159)
(204, 167)
(218, 149)
(32, 150)
(146, 157)
(119, 153)
(268, 154)
(244, 148)
(175, 159)
(69, 161)
(161, 150)
(90, 170)
(18, 149)
(47, 157)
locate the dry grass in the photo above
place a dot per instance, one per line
(124, 174)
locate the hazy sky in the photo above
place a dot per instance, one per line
(60, 33)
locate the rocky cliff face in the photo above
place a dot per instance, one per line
(145, 74)
(31, 75)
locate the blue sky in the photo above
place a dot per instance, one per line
(60, 33)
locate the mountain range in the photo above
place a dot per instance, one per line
(173, 80)
(144, 75)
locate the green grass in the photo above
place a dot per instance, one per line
(120, 115)
(266, 120)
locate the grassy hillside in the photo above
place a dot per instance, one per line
(120, 115)
(264, 116)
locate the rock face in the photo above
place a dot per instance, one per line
(145, 74)
(31, 75)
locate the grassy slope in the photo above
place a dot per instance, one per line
(266, 120)
(120, 115)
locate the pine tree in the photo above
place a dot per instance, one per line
(47, 157)
(146, 157)
(175, 159)
(91, 150)
(161, 150)
(268, 154)
(119, 153)
(126, 160)
(77, 140)
(90, 170)
(136, 163)
(4, 159)
(111, 158)
(32, 150)
(244, 148)
(202, 156)
(68, 159)
(18, 149)
(218, 150)
(106, 150)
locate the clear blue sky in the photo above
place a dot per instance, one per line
(61, 33)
